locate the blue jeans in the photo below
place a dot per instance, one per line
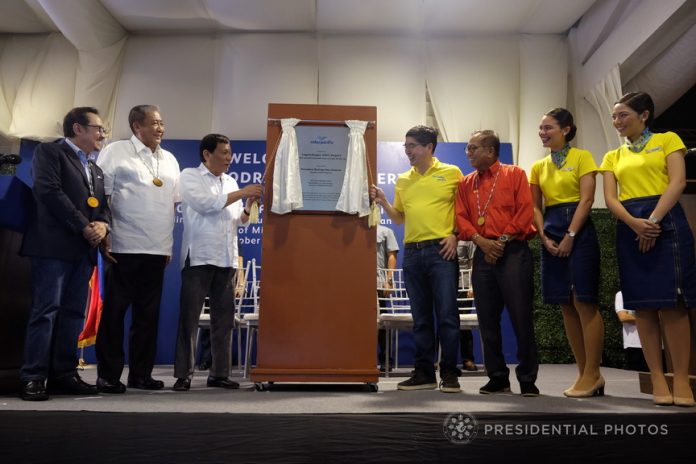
(57, 315)
(431, 283)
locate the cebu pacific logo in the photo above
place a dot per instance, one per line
(322, 140)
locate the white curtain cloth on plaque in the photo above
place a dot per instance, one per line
(354, 196)
(287, 186)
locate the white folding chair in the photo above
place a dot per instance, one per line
(240, 290)
(204, 319)
(249, 309)
(468, 320)
(394, 313)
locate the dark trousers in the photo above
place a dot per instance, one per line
(203, 355)
(382, 346)
(466, 344)
(59, 300)
(136, 281)
(466, 337)
(196, 283)
(508, 283)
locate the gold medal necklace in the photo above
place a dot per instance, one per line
(92, 200)
(482, 213)
(155, 173)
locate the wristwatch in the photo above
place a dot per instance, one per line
(653, 219)
(570, 233)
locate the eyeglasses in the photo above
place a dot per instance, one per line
(158, 123)
(102, 130)
(472, 148)
(411, 146)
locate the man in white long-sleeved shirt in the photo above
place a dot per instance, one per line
(213, 210)
(141, 180)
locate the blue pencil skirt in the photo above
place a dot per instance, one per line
(656, 279)
(579, 272)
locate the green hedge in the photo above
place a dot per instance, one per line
(548, 321)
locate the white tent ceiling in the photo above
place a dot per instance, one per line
(450, 17)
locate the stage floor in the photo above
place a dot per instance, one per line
(300, 423)
(622, 395)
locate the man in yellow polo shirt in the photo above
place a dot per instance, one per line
(424, 201)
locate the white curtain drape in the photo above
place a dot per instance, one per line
(224, 82)
(43, 76)
(499, 83)
(253, 70)
(477, 90)
(37, 76)
(100, 41)
(670, 75)
(602, 97)
(287, 186)
(179, 77)
(538, 91)
(386, 72)
(354, 196)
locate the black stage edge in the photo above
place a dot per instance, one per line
(78, 437)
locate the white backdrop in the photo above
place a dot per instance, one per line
(176, 73)
(224, 82)
(385, 72)
(474, 84)
(38, 84)
(214, 65)
(255, 70)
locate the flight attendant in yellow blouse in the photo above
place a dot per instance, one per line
(563, 187)
(643, 180)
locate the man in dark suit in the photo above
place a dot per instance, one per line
(71, 217)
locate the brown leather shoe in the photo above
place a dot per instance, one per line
(469, 365)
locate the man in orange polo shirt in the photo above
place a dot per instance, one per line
(494, 210)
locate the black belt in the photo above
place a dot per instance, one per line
(423, 244)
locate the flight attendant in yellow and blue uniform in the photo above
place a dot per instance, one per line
(564, 184)
(654, 244)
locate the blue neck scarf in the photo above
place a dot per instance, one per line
(559, 157)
